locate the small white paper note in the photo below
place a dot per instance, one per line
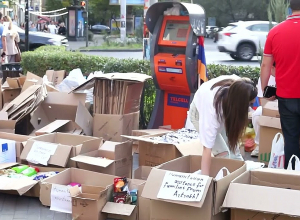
(61, 200)
(41, 152)
(7, 151)
(184, 187)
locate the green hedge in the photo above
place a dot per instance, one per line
(57, 58)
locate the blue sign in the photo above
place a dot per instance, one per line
(181, 101)
(128, 2)
(4, 147)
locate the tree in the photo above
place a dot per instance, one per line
(102, 12)
(51, 5)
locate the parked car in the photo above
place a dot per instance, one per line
(242, 40)
(100, 29)
(37, 39)
(209, 30)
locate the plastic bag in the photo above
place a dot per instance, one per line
(277, 152)
(73, 80)
(251, 165)
(220, 174)
(297, 163)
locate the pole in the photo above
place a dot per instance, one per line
(123, 20)
(26, 26)
(87, 24)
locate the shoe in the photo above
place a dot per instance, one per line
(255, 152)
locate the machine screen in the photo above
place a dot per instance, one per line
(176, 30)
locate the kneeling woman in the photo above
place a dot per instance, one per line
(219, 112)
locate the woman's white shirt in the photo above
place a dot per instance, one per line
(209, 126)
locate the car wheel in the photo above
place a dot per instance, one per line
(245, 52)
(234, 56)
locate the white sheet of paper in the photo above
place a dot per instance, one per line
(4, 182)
(7, 151)
(41, 152)
(186, 187)
(61, 200)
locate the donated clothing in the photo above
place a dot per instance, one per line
(203, 115)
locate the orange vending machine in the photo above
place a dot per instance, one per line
(174, 59)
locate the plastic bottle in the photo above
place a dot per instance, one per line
(19, 169)
(30, 171)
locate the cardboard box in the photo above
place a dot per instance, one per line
(88, 203)
(125, 211)
(111, 158)
(271, 194)
(153, 153)
(25, 187)
(19, 139)
(111, 127)
(142, 173)
(68, 146)
(70, 175)
(56, 77)
(63, 106)
(214, 192)
(135, 145)
(6, 125)
(271, 109)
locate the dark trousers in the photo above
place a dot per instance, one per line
(289, 110)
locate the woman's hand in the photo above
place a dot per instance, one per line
(271, 98)
(206, 161)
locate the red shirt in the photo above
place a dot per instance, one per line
(283, 43)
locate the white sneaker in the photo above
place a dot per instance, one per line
(255, 152)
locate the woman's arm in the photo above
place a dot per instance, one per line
(206, 161)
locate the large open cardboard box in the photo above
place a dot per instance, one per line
(213, 197)
(264, 194)
(70, 175)
(69, 145)
(112, 158)
(153, 153)
(25, 187)
(269, 127)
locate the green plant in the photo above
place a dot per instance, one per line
(50, 48)
(68, 61)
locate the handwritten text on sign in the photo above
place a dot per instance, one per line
(182, 187)
(41, 152)
(61, 200)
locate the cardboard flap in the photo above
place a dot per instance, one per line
(52, 127)
(118, 208)
(194, 147)
(153, 185)
(144, 138)
(15, 184)
(84, 119)
(7, 165)
(60, 158)
(138, 77)
(91, 145)
(74, 191)
(269, 122)
(93, 160)
(263, 199)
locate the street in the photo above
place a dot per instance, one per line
(213, 56)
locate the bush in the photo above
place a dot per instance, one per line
(66, 60)
(50, 48)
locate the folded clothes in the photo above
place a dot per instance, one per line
(180, 136)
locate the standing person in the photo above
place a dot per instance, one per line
(46, 29)
(11, 38)
(219, 112)
(52, 28)
(283, 47)
(258, 112)
(62, 29)
(32, 27)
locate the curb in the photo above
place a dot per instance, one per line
(113, 50)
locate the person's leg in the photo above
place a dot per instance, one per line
(289, 110)
(256, 126)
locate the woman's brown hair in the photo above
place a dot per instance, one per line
(232, 103)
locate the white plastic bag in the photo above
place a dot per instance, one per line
(220, 174)
(297, 163)
(251, 165)
(277, 152)
(73, 80)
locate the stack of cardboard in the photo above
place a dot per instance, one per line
(12, 88)
(117, 99)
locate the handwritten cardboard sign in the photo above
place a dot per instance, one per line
(61, 200)
(185, 187)
(41, 152)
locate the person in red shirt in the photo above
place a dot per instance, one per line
(283, 47)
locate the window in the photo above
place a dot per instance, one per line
(259, 27)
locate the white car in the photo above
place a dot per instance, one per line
(242, 40)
